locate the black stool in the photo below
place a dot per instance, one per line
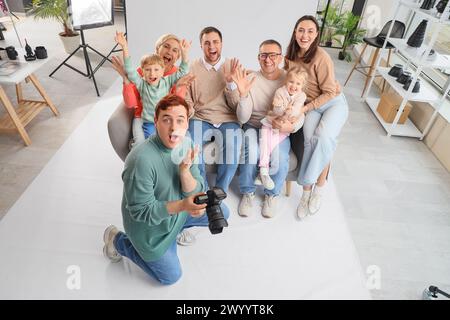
(398, 31)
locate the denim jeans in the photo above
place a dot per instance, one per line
(228, 138)
(149, 129)
(138, 131)
(167, 269)
(321, 129)
(248, 169)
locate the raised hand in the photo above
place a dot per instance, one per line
(231, 70)
(120, 39)
(186, 80)
(188, 160)
(243, 83)
(185, 47)
(117, 64)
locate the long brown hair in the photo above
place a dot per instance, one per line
(293, 47)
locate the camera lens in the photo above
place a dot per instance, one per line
(216, 219)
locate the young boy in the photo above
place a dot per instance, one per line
(152, 86)
(288, 105)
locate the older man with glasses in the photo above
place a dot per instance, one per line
(256, 91)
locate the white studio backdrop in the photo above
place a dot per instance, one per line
(244, 24)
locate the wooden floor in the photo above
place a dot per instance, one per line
(395, 193)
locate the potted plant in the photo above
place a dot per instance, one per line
(352, 34)
(57, 10)
(333, 22)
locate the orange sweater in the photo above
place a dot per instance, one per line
(132, 98)
(322, 84)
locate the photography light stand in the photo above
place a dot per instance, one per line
(431, 293)
(89, 73)
(114, 49)
(5, 9)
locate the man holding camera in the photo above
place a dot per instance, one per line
(161, 183)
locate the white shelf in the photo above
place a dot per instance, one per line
(424, 95)
(408, 129)
(430, 15)
(413, 54)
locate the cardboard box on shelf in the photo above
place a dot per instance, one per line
(389, 105)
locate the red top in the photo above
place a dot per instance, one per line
(132, 98)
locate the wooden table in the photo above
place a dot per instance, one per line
(17, 118)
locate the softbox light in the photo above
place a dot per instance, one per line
(88, 14)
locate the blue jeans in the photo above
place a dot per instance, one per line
(228, 137)
(149, 129)
(138, 131)
(167, 269)
(248, 169)
(321, 129)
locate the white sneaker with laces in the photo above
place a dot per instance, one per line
(269, 206)
(185, 238)
(266, 180)
(246, 205)
(315, 202)
(303, 209)
(108, 249)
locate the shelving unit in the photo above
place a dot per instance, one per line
(416, 57)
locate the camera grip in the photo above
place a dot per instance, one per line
(201, 199)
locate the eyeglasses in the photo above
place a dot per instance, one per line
(272, 55)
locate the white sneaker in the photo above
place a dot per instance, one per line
(267, 182)
(108, 249)
(246, 205)
(302, 209)
(269, 206)
(315, 202)
(185, 238)
(258, 181)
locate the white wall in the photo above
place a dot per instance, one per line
(244, 24)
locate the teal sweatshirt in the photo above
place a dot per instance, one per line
(150, 95)
(151, 179)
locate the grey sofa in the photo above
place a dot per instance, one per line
(119, 129)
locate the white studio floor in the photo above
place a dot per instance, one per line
(59, 220)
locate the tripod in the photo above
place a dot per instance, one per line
(89, 73)
(114, 49)
(431, 292)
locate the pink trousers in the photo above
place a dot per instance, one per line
(269, 138)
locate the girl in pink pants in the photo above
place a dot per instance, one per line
(288, 104)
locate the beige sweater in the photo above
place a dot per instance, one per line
(208, 97)
(254, 107)
(322, 85)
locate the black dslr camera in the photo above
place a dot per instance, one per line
(213, 198)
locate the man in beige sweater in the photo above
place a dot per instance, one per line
(213, 106)
(256, 92)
